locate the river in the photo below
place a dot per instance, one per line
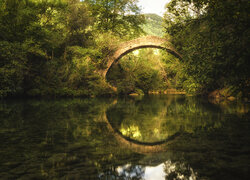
(151, 137)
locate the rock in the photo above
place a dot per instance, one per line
(133, 94)
(231, 98)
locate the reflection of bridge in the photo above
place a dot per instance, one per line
(143, 42)
(137, 146)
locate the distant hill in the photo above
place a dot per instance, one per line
(153, 25)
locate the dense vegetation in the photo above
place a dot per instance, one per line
(57, 47)
(213, 37)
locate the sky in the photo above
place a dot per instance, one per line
(153, 6)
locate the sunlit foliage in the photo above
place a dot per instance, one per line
(140, 71)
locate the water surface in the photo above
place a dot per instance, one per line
(150, 137)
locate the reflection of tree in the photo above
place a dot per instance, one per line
(178, 171)
(46, 135)
(132, 131)
(127, 171)
(69, 139)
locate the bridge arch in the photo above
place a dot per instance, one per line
(139, 43)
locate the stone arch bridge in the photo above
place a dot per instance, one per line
(142, 42)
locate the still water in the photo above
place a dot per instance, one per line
(152, 137)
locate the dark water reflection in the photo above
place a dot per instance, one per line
(154, 137)
(156, 118)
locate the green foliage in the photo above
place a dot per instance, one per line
(126, 85)
(120, 17)
(105, 44)
(153, 25)
(138, 71)
(174, 71)
(147, 80)
(12, 68)
(81, 67)
(213, 37)
(56, 47)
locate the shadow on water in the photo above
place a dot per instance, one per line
(151, 137)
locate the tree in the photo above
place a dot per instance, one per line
(119, 16)
(77, 22)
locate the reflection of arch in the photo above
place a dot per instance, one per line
(137, 146)
(143, 42)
